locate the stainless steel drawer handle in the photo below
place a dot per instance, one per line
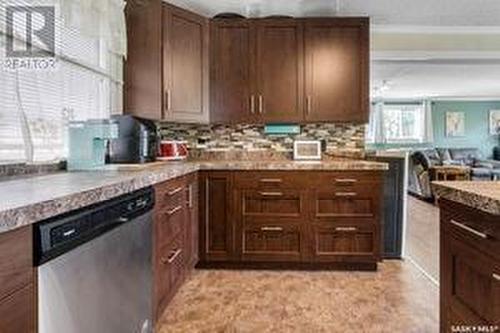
(469, 229)
(271, 229)
(171, 258)
(174, 210)
(346, 194)
(175, 191)
(346, 180)
(271, 194)
(346, 229)
(496, 277)
(271, 180)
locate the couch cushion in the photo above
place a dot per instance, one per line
(467, 155)
(481, 172)
(444, 154)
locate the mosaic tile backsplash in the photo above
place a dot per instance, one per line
(342, 140)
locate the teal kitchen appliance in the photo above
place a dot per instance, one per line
(88, 143)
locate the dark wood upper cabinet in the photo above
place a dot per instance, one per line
(185, 65)
(231, 83)
(143, 87)
(337, 69)
(279, 69)
(303, 70)
(166, 72)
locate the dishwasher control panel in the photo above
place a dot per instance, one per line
(60, 234)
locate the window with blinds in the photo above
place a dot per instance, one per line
(86, 83)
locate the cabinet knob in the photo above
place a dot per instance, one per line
(261, 104)
(496, 277)
(308, 105)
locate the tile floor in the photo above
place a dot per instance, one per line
(397, 298)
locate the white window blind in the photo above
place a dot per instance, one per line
(36, 106)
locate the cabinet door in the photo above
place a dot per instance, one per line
(18, 311)
(142, 69)
(470, 283)
(185, 65)
(232, 54)
(279, 69)
(337, 69)
(216, 225)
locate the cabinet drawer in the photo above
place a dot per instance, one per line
(170, 222)
(345, 204)
(471, 283)
(17, 311)
(271, 203)
(345, 242)
(347, 179)
(171, 194)
(269, 180)
(16, 260)
(269, 242)
(479, 229)
(170, 271)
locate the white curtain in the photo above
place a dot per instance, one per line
(377, 132)
(428, 125)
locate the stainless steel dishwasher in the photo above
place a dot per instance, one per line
(95, 268)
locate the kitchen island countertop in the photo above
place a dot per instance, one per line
(481, 195)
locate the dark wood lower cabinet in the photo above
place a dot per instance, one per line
(470, 269)
(17, 282)
(216, 223)
(18, 311)
(306, 218)
(175, 237)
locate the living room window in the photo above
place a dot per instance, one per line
(403, 123)
(400, 123)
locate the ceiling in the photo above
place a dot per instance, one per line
(425, 48)
(436, 79)
(394, 12)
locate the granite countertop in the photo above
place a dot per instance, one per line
(27, 200)
(481, 195)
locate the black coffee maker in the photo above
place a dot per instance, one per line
(137, 141)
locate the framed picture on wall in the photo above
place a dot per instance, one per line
(455, 124)
(494, 122)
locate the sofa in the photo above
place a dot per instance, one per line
(421, 161)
